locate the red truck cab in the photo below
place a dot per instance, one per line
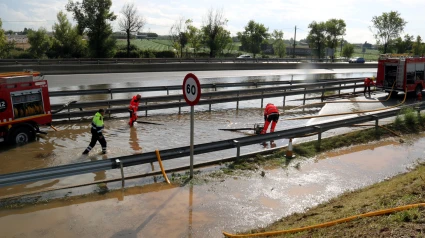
(401, 73)
(24, 106)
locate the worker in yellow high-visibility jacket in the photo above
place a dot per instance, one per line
(96, 132)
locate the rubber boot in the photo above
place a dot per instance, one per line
(266, 126)
(273, 126)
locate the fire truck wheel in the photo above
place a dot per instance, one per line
(21, 136)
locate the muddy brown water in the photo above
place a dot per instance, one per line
(66, 145)
(232, 204)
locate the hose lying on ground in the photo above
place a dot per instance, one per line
(364, 101)
(63, 107)
(331, 223)
(348, 113)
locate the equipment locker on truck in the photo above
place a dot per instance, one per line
(24, 106)
(400, 73)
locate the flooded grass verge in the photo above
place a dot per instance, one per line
(404, 189)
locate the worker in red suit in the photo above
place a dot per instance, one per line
(367, 83)
(134, 105)
(271, 113)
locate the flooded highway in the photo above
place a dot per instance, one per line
(66, 145)
(214, 204)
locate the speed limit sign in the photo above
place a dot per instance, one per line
(191, 89)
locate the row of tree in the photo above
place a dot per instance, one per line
(94, 19)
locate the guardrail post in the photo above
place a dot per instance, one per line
(180, 108)
(237, 101)
(319, 137)
(168, 92)
(292, 78)
(284, 99)
(146, 111)
(262, 99)
(110, 91)
(355, 84)
(209, 109)
(118, 162)
(238, 148)
(323, 93)
(339, 90)
(215, 87)
(109, 106)
(376, 127)
(304, 96)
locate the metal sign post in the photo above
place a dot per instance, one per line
(192, 94)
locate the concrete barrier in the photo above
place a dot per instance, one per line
(124, 68)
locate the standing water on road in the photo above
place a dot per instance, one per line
(66, 145)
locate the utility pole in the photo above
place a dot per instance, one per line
(295, 39)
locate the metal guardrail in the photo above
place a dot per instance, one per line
(208, 98)
(179, 87)
(131, 160)
(70, 61)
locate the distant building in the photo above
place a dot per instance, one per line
(142, 35)
(18, 39)
(267, 49)
(367, 45)
(299, 51)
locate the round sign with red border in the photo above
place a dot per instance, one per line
(191, 89)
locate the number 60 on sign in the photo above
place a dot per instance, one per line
(191, 89)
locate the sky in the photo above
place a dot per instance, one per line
(274, 14)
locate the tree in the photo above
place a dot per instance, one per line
(67, 42)
(194, 36)
(418, 47)
(40, 42)
(223, 39)
(93, 18)
(403, 46)
(3, 41)
(253, 36)
(335, 28)
(279, 44)
(347, 50)
(130, 22)
(178, 35)
(387, 27)
(213, 29)
(317, 37)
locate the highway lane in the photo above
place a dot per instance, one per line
(78, 81)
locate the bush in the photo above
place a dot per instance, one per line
(165, 54)
(398, 123)
(123, 54)
(411, 119)
(147, 54)
(21, 55)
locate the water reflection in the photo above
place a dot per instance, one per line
(134, 141)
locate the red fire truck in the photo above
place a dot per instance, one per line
(407, 73)
(24, 105)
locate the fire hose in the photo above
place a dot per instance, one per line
(348, 113)
(364, 101)
(331, 223)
